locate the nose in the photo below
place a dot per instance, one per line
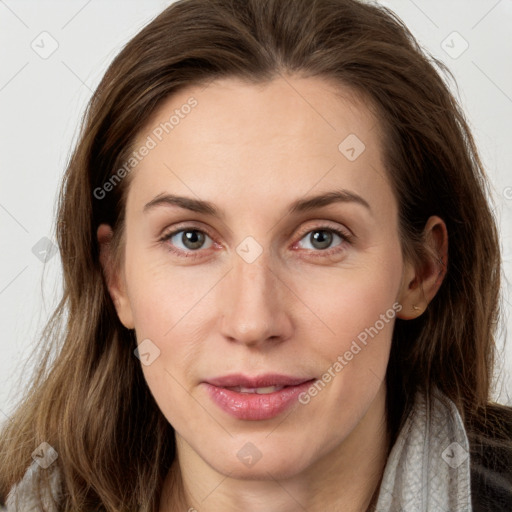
(255, 304)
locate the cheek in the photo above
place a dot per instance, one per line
(162, 304)
(358, 308)
(160, 295)
(349, 300)
(168, 308)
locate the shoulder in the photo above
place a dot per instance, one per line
(491, 461)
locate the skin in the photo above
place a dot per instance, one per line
(252, 150)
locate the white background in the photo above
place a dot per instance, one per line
(41, 102)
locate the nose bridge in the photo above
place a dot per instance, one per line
(253, 307)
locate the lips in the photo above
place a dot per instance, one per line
(256, 398)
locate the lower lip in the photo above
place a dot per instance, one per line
(252, 406)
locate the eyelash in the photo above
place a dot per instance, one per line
(191, 254)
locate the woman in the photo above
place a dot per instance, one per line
(281, 279)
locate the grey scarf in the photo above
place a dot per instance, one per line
(428, 468)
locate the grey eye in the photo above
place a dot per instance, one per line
(321, 238)
(191, 239)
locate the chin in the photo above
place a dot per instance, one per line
(251, 463)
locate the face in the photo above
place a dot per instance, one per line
(262, 287)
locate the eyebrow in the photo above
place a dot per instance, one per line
(298, 206)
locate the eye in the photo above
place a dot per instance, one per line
(322, 237)
(191, 240)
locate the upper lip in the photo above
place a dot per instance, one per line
(258, 381)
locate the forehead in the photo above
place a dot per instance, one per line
(237, 139)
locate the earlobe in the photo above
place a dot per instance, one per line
(411, 297)
(113, 276)
(420, 285)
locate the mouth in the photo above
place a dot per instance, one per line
(256, 398)
(260, 391)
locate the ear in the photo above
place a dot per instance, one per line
(420, 285)
(114, 276)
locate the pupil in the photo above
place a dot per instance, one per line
(318, 237)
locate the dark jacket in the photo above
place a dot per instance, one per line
(491, 462)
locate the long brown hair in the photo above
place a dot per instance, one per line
(91, 402)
